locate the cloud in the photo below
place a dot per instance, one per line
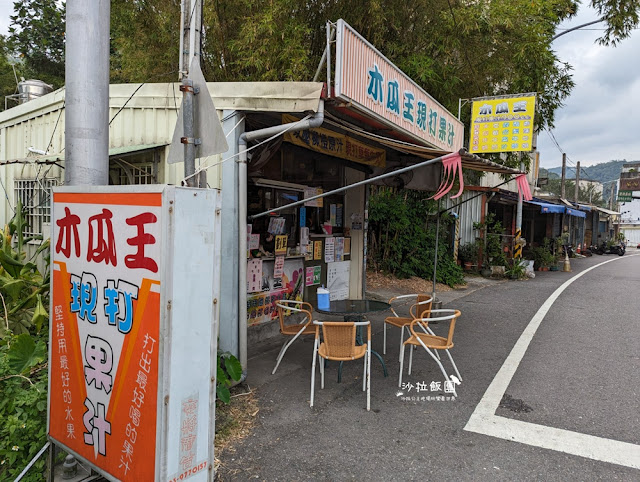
(599, 120)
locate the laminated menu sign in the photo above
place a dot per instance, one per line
(114, 271)
(308, 251)
(347, 246)
(310, 192)
(339, 249)
(304, 236)
(329, 250)
(281, 244)
(312, 275)
(338, 280)
(254, 241)
(254, 275)
(278, 267)
(317, 250)
(276, 226)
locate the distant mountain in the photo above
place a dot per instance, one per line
(603, 172)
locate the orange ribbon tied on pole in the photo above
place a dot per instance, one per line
(523, 187)
(452, 164)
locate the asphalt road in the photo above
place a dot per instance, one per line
(570, 386)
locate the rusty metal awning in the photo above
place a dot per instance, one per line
(469, 161)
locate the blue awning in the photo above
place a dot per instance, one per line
(575, 212)
(548, 208)
(584, 207)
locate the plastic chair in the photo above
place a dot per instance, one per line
(339, 344)
(296, 329)
(430, 342)
(420, 309)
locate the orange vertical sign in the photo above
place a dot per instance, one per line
(105, 329)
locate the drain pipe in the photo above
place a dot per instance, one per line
(314, 121)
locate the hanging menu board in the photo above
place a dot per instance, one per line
(338, 280)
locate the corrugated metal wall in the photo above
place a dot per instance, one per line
(140, 117)
(469, 212)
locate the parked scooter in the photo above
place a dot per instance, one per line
(606, 248)
(567, 249)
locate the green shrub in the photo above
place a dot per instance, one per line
(24, 330)
(402, 236)
(229, 369)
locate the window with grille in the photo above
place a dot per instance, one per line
(35, 195)
(124, 173)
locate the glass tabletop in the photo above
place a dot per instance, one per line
(354, 307)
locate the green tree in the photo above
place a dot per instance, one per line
(145, 38)
(621, 17)
(36, 35)
(8, 84)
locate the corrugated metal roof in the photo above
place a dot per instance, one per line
(608, 211)
(247, 96)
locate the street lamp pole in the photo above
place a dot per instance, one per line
(576, 28)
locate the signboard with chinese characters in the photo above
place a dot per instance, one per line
(127, 265)
(281, 244)
(630, 184)
(625, 196)
(261, 307)
(502, 124)
(335, 144)
(375, 86)
(338, 280)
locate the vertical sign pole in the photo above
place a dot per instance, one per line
(191, 28)
(517, 254)
(87, 93)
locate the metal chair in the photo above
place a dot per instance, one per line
(295, 330)
(420, 308)
(429, 342)
(339, 344)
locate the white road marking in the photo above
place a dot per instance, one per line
(485, 421)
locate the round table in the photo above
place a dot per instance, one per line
(354, 310)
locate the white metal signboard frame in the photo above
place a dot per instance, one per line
(133, 332)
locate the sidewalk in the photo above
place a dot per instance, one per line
(474, 283)
(399, 439)
(338, 427)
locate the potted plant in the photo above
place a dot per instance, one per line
(516, 270)
(491, 237)
(468, 255)
(553, 260)
(541, 258)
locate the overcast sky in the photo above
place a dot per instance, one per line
(600, 121)
(6, 9)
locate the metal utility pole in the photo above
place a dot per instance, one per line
(517, 253)
(86, 110)
(577, 193)
(190, 30)
(564, 175)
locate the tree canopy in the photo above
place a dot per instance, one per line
(453, 48)
(36, 35)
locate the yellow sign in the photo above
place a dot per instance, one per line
(335, 144)
(502, 124)
(317, 250)
(281, 244)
